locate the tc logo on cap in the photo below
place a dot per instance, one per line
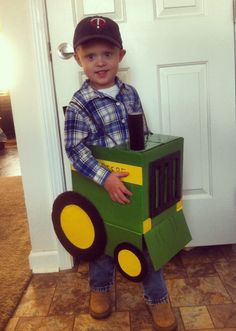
(98, 22)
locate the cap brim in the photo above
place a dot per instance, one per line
(107, 38)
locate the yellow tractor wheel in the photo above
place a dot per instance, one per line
(78, 225)
(130, 262)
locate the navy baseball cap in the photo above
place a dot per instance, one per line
(97, 27)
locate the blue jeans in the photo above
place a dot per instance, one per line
(101, 278)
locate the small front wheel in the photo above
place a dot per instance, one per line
(130, 262)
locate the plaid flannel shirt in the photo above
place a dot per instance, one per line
(94, 118)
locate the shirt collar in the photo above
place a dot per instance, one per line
(89, 93)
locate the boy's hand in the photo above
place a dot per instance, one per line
(117, 190)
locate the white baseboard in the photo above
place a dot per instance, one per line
(43, 262)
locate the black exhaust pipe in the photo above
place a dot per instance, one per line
(136, 131)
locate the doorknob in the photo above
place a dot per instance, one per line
(65, 51)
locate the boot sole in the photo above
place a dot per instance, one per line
(169, 328)
(100, 316)
(173, 327)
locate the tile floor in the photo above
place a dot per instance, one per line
(201, 283)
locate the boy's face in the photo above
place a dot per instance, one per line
(100, 61)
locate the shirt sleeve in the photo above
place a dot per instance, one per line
(76, 131)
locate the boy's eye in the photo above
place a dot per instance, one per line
(108, 54)
(90, 57)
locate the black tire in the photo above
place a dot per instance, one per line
(78, 226)
(130, 262)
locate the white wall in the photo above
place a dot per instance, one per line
(31, 137)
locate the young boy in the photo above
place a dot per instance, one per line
(97, 115)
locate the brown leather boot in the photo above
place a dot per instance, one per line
(100, 304)
(163, 317)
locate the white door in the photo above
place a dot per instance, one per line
(180, 58)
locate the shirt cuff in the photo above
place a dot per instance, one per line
(101, 175)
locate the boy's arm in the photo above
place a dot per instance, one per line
(76, 131)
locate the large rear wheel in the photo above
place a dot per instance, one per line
(78, 225)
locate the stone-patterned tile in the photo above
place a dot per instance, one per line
(69, 302)
(75, 279)
(119, 277)
(196, 318)
(35, 302)
(12, 324)
(175, 268)
(223, 316)
(71, 296)
(227, 272)
(53, 323)
(205, 254)
(129, 296)
(141, 320)
(201, 270)
(197, 291)
(229, 252)
(203, 276)
(116, 322)
(225, 329)
(179, 319)
(44, 280)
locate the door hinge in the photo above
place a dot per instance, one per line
(49, 51)
(234, 11)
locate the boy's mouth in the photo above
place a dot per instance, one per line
(101, 73)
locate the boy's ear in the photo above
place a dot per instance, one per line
(122, 53)
(77, 59)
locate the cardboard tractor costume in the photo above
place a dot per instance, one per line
(89, 224)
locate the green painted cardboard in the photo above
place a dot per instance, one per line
(166, 239)
(124, 223)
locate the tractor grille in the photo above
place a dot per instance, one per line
(165, 183)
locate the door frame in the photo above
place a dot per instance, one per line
(44, 71)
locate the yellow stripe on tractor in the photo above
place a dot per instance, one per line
(147, 225)
(179, 205)
(135, 173)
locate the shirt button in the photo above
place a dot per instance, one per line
(118, 103)
(123, 120)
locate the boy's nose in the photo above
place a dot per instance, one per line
(100, 60)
